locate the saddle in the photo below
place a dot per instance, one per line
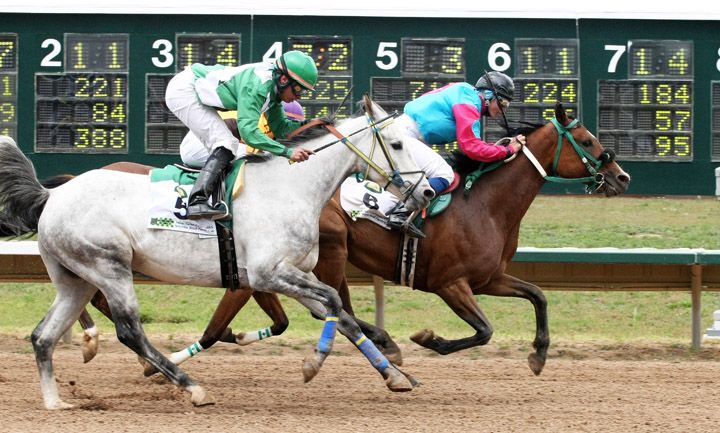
(438, 204)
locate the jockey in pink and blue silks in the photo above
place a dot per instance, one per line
(454, 113)
(196, 94)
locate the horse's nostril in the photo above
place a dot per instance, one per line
(429, 193)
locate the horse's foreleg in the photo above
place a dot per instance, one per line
(510, 286)
(91, 336)
(288, 280)
(395, 379)
(459, 297)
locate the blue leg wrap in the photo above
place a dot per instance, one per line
(328, 334)
(372, 353)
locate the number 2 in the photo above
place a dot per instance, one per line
(56, 49)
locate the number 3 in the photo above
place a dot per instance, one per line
(165, 48)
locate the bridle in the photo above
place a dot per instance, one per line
(394, 176)
(596, 179)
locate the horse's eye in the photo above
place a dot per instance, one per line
(396, 144)
(587, 143)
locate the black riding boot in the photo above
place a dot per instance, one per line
(398, 219)
(205, 184)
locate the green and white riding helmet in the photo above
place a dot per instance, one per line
(300, 68)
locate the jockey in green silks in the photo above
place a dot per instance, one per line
(196, 94)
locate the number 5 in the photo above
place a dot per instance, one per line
(384, 52)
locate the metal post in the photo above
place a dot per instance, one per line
(379, 284)
(695, 292)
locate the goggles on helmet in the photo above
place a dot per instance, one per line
(297, 89)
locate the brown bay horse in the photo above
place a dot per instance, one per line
(467, 249)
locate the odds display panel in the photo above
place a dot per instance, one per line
(649, 117)
(427, 65)
(333, 59)
(85, 109)
(8, 85)
(547, 73)
(163, 130)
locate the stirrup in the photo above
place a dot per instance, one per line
(202, 210)
(405, 226)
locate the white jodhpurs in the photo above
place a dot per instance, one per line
(204, 122)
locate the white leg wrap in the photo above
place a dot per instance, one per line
(178, 358)
(251, 337)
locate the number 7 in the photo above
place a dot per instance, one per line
(619, 51)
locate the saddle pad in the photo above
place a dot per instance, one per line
(363, 199)
(169, 191)
(236, 177)
(168, 209)
(368, 200)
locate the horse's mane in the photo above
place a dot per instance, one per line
(462, 163)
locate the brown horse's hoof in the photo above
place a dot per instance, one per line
(148, 369)
(423, 337)
(89, 347)
(536, 363)
(200, 397)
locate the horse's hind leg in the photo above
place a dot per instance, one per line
(124, 307)
(217, 329)
(72, 296)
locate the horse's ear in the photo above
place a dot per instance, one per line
(561, 115)
(368, 105)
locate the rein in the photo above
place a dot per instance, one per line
(594, 181)
(406, 187)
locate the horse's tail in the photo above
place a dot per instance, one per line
(22, 197)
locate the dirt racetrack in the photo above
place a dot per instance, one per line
(259, 388)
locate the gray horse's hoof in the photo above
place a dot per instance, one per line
(396, 381)
(200, 397)
(310, 369)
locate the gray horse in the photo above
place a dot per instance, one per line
(92, 234)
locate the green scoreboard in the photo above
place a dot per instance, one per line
(79, 91)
